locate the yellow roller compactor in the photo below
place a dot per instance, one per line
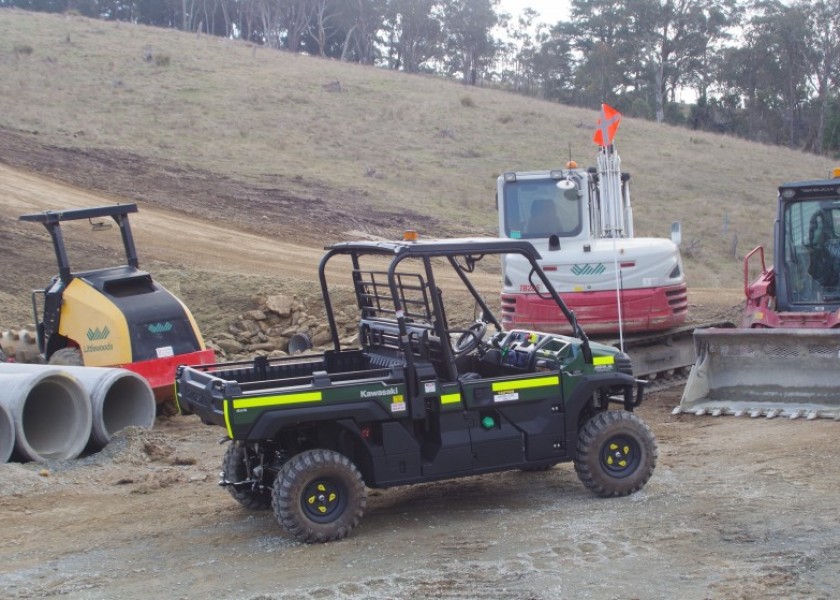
(114, 316)
(784, 358)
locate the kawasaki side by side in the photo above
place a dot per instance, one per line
(421, 398)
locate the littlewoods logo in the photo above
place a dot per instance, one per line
(98, 334)
(588, 269)
(160, 327)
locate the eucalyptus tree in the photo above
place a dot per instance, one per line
(468, 42)
(363, 24)
(824, 23)
(671, 40)
(783, 62)
(293, 18)
(598, 30)
(413, 33)
(515, 53)
(553, 66)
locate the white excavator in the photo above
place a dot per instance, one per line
(630, 289)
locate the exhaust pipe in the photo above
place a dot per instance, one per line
(119, 398)
(51, 413)
(7, 434)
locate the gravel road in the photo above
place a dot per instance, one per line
(737, 508)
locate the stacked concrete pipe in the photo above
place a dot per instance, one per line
(7, 434)
(118, 398)
(50, 410)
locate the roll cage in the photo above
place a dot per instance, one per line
(406, 309)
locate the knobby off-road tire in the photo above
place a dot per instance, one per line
(319, 496)
(616, 453)
(68, 357)
(235, 470)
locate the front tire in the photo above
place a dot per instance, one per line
(235, 469)
(319, 496)
(67, 357)
(616, 453)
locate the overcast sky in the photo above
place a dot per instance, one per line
(550, 11)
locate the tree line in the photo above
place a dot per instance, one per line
(765, 70)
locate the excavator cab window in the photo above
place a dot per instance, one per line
(538, 209)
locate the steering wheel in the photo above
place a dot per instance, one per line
(470, 338)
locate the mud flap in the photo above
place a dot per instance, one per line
(764, 372)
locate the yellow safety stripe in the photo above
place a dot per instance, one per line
(603, 360)
(450, 398)
(276, 400)
(225, 405)
(519, 384)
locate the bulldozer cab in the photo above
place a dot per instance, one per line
(810, 241)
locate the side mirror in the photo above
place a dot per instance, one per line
(676, 233)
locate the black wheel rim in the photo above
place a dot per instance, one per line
(620, 456)
(323, 500)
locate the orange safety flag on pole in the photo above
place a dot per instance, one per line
(607, 125)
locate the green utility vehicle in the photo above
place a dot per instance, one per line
(420, 399)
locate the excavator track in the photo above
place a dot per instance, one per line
(665, 358)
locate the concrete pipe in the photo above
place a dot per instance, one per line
(51, 413)
(119, 398)
(7, 434)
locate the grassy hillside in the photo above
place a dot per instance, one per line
(386, 142)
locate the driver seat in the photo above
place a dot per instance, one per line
(543, 220)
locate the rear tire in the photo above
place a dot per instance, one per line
(616, 453)
(319, 496)
(67, 357)
(235, 470)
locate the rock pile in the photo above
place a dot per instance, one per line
(267, 329)
(264, 330)
(20, 345)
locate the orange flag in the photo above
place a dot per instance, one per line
(607, 126)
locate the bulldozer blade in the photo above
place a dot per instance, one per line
(771, 373)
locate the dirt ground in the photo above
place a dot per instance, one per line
(737, 508)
